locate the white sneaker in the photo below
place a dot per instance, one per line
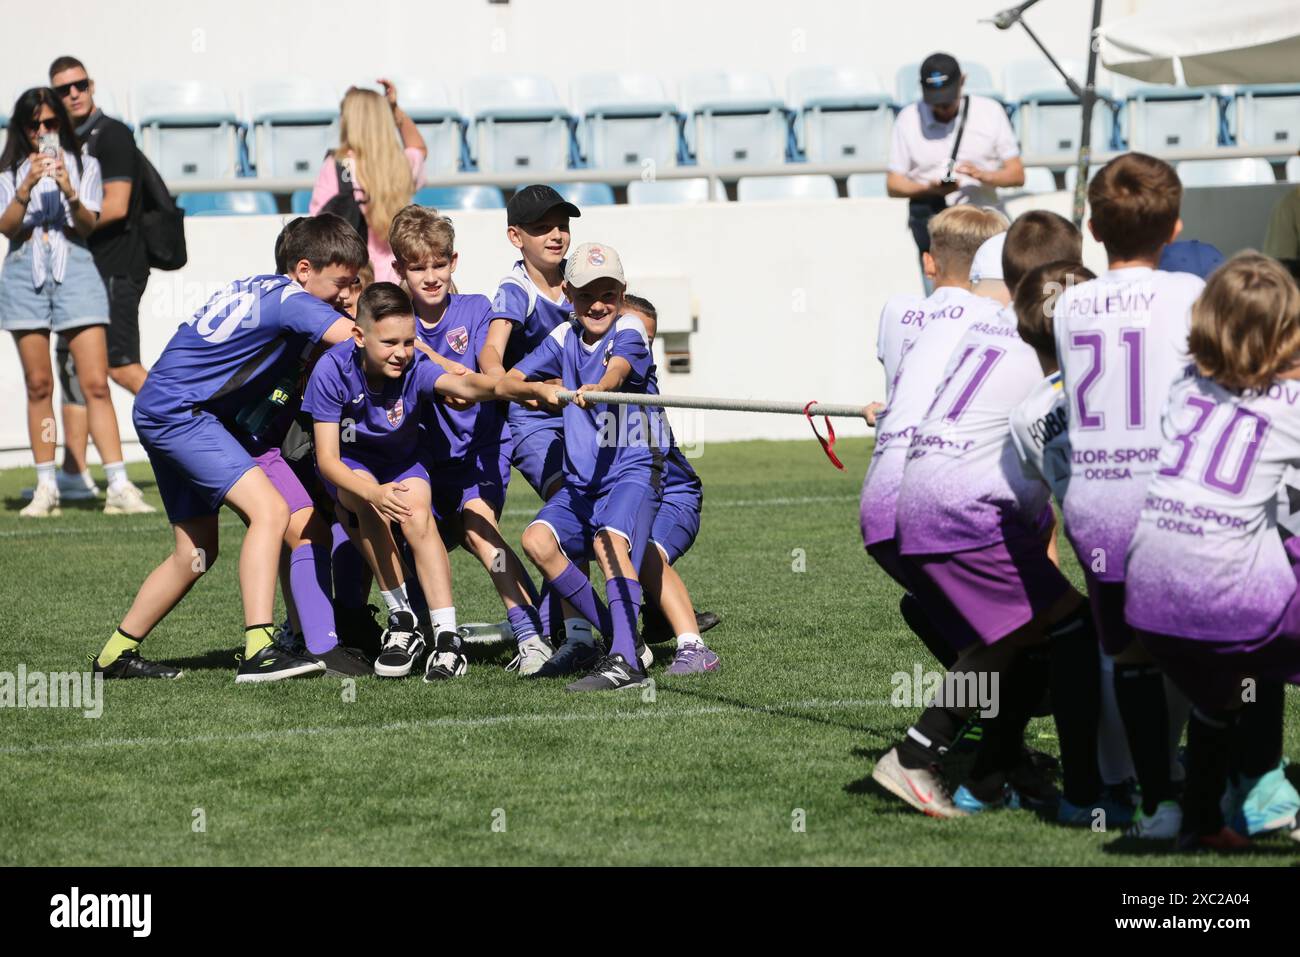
(44, 504)
(126, 499)
(923, 788)
(533, 653)
(72, 488)
(1163, 825)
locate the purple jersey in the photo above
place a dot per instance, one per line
(1206, 560)
(235, 349)
(962, 485)
(458, 336)
(603, 444)
(533, 317)
(682, 486)
(375, 427)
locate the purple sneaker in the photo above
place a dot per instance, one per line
(694, 658)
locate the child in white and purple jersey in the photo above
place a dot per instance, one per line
(1211, 589)
(366, 397)
(613, 458)
(468, 448)
(1122, 341)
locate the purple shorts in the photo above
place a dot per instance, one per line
(1107, 602)
(195, 462)
(675, 528)
(998, 588)
(943, 616)
(455, 484)
(627, 510)
(539, 456)
(284, 479)
(383, 474)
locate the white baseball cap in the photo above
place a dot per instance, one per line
(592, 261)
(987, 263)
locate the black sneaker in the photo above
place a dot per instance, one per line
(129, 664)
(275, 664)
(644, 655)
(612, 673)
(357, 628)
(344, 662)
(403, 645)
(704, 620)
(446, 660)
(289, 641)
(572, 658)
(655, 628)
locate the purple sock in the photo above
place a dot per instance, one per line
(524, 622)
(572, 584)
(550, 610)
(309, 580)
(624, 596)
(350, 572)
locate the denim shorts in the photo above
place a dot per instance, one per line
(80, 300)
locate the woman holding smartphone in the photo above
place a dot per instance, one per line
(50, 195)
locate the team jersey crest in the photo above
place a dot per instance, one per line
(395, 413)
(458, 339)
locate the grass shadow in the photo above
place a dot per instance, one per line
(778, 712)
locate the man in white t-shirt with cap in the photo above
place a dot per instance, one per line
(931, 167)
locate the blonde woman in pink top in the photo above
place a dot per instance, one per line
(384, 175)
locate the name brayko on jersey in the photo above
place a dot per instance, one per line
(103, 910)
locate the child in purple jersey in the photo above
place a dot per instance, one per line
(1211, 588)
(230, 354)
(469, 448)
(366, 398)
(613, 458)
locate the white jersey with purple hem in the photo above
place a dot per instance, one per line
(963, 487)
(1040, 433)
(1122, 342)
(948, 314)
(1206, 560)
(900, 323)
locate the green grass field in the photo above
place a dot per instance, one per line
(716, 769)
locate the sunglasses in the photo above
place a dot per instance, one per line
(51, 124)
(81, 86)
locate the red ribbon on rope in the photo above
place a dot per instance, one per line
(828, 444)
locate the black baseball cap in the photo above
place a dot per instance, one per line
(531, 203)
(940, 79)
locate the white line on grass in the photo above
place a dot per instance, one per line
(649, 711)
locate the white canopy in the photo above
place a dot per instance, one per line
(1206, 42)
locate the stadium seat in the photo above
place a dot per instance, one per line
(663, 191)
(1048, 117)
(517, 123)
(1038, 179)
(1225, 172)
(867, 185)
(106, 102)
(460, 197)
(625, 119)
(751, 189)
(233, 203)
(841, 115)
(300, 201)
(735, 118)
(426, 102)
(294, 123)
(1269, 115)
(1174, 117)
(187, 129)
(979, 82)
(586, 194)
(1293, 170)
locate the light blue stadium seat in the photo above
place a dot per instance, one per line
(664, 191)
(1293, 170)
(841, 114)
(300, 201)
(1225, 172)
(233, 203)
(750, 189)
(188, 129)
(294, 123)
(586, 194)
(1269, 115)
(517, 123)
(426, 102)
(1048, 117)
(625, 119)
(979, 82)
(460, 197)
(1173, 117)
(867, 185)
(735, 118)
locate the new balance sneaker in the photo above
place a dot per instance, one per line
(357, 628)
(644, 655)
(129, 664)
(1225, 841)
(126, 499)
(611, 673)
(446, 660)
(274, 664)
(573, 657)
(532, 654)
(693, 658)
(964, 798)
(922, 788)
(1253, 806)
(344, 662)
(402, 646)
(1105, 811)
(1161, 825)
(44, 503)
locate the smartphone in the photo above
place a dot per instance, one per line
(48, 145)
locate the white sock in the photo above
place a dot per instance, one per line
(444, 619)
(578, 629)
(45, 475)
(116, 472)
(396, 599)
(689, 639)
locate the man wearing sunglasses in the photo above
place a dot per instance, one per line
(122, 261)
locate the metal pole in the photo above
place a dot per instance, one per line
(1085, 135)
